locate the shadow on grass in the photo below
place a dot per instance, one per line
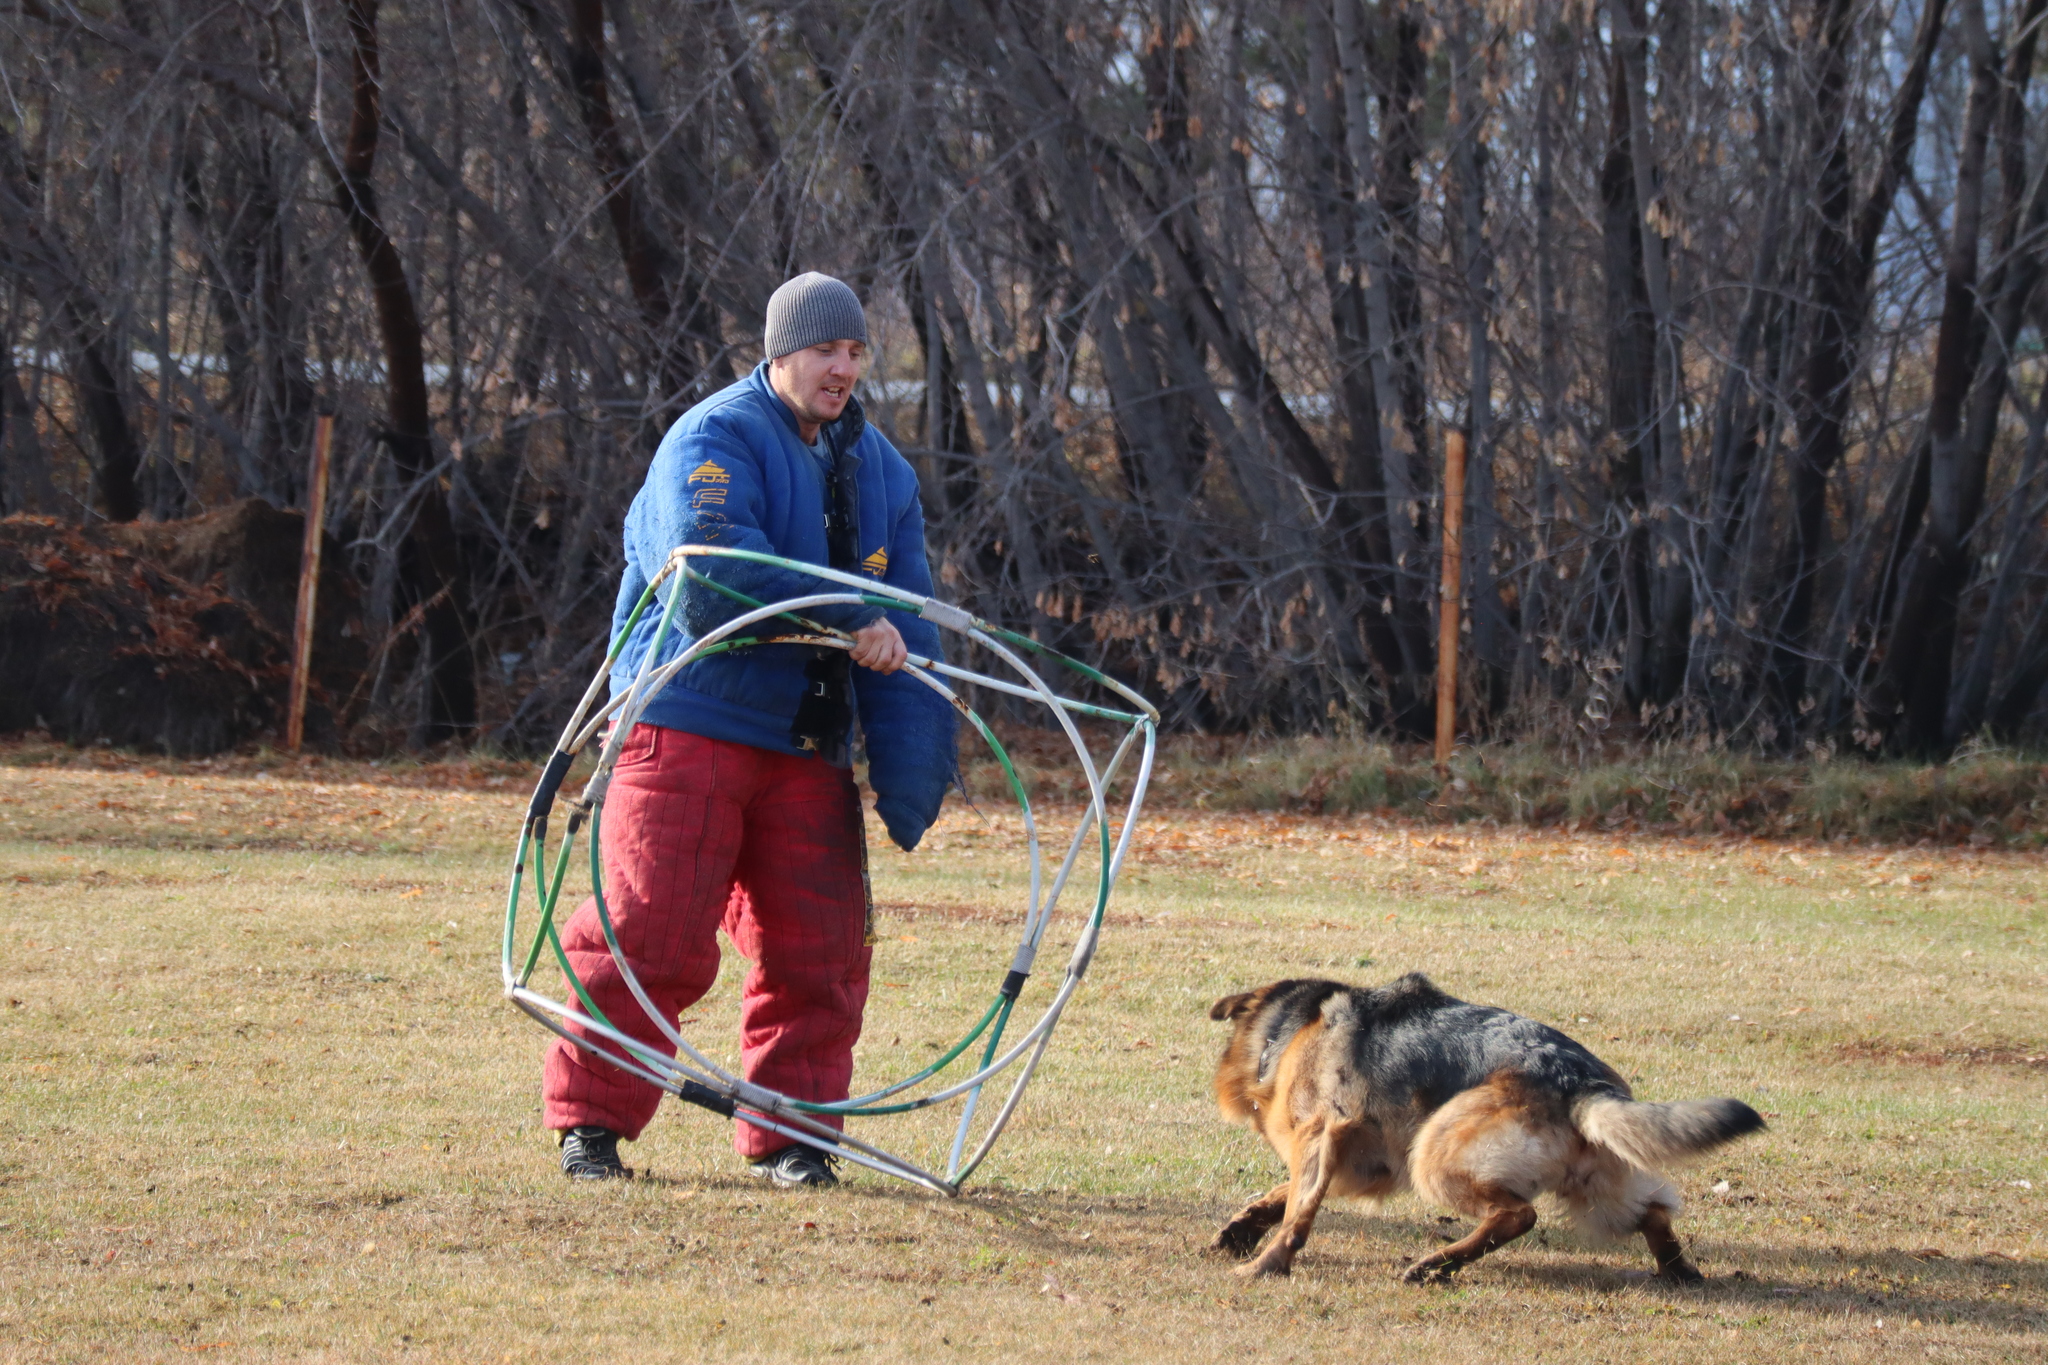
(1753, 1278)
(1746, 1280)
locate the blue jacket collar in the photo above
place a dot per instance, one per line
(841, 434)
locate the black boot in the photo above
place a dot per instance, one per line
(592, 1153)
(796, 1165)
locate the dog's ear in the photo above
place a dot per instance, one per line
(1230, 1006)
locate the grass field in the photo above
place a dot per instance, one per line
(263, 1102)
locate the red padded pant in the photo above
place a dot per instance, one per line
(700, 834)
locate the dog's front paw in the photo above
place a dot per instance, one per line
(1268, 1264)
(1681, 1272)
(1238, 1240)
(1426, 1271)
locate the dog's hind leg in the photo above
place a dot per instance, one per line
(1610, 1200)
(1310, 1184)
(1240, 1236)
(1506, 1219)
(1486, 1153)
(1671, 1262)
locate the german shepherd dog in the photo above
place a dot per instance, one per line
(1368, 1092)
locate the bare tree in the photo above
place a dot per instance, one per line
(1173, 304)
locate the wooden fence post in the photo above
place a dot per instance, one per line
(309, 584)
(1447, 619)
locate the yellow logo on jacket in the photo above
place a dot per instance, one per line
(877, 563)
(713, 477)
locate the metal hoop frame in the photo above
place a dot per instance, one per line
(692, 1076)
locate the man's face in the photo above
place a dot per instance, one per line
(817, 381)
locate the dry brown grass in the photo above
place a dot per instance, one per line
(263, 1102)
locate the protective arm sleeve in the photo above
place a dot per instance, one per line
(911, 730)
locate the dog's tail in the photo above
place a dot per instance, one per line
(1654, 1136)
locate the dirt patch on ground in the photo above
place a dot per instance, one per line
(910, 912)
(1988, 1053)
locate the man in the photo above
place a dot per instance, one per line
(732, 804)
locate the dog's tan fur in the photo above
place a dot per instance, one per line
(1485, 1151)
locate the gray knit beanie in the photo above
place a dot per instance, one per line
(810, 309)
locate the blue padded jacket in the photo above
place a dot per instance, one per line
(734, 471)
